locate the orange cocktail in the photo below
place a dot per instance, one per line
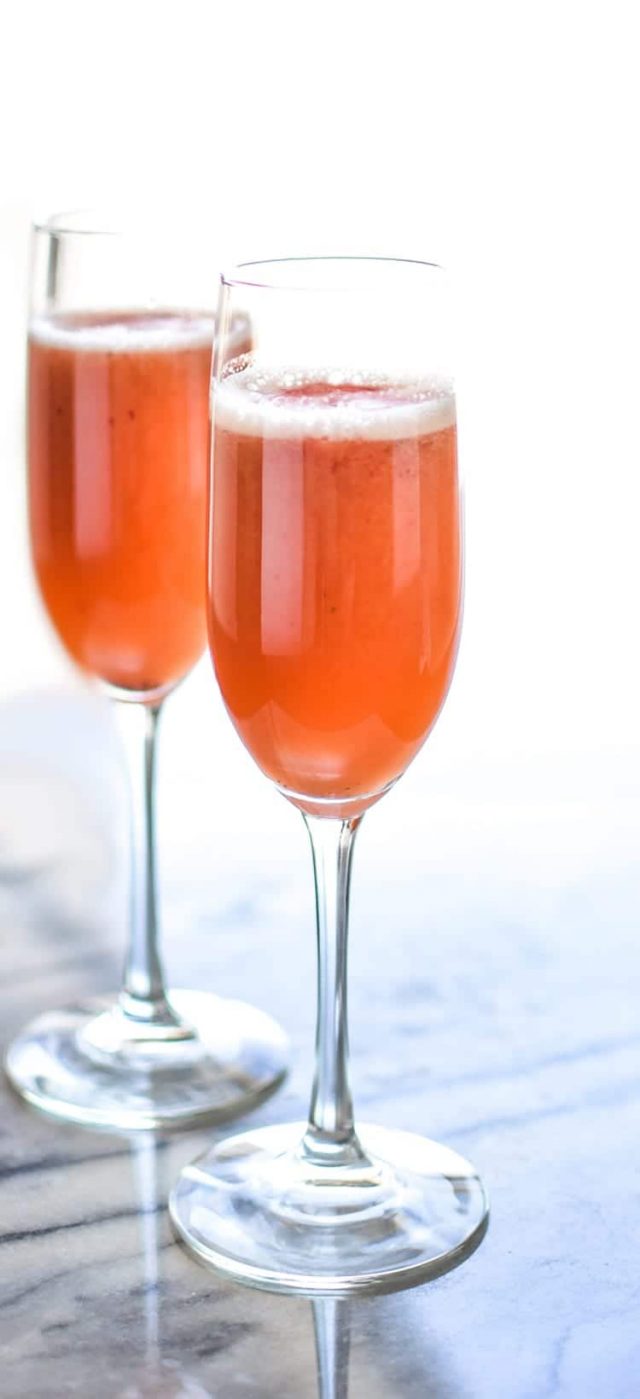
(334, 605)
(118, 446)
(119, 359)
(335, 573)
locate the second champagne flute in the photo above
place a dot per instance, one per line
(335, 595)
(118, 379)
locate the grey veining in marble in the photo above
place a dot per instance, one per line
(495, 980)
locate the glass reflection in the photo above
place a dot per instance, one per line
(332, 1330)
(158, 1376)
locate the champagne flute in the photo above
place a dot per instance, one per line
(120, 339)
(334, 611)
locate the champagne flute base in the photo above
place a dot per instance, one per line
(257, 1210)
(90, 1063)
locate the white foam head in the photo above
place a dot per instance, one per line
(259, 402)
(130, 332)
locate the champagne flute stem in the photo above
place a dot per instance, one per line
(330, 1136)
(143, 994)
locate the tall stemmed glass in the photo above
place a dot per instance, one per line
(334, 610)
(120, 342)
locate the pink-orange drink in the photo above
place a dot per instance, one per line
(334, 573)
(118, 448)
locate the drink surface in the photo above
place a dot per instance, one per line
(118, 446)
(334, 573)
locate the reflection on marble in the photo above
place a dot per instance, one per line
(331, 1324)
(157, 1375)
(498, 1012)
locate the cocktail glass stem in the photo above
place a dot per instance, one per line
(143, 996)
(154, 1058)
(330, 1138)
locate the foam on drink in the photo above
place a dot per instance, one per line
(116, 332)
(330, 403)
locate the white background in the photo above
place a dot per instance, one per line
(498, 138)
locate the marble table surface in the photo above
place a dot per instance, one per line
(495, 980)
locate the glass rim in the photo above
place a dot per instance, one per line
(84, 222)
(233, 276)
(120, 221)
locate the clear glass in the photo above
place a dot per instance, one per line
(120, 338)
(335, 589)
